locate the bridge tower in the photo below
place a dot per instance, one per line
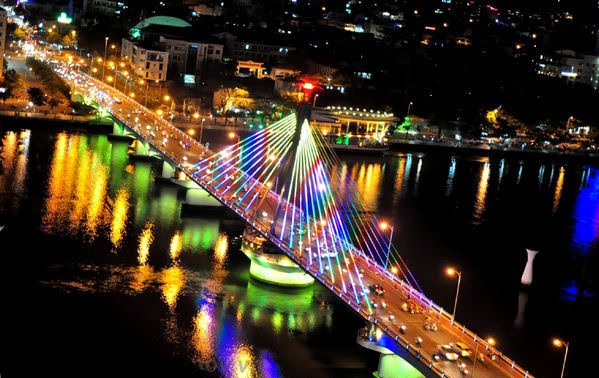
(267, 264)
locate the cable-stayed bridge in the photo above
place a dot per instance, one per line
(285, 182)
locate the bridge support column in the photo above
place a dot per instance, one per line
(394, 361)
(168, 170)
(270, 266)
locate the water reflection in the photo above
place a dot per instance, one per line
(481, 193)
(14, 156)
(368, 179)
(120, 211)
(77, 186)
(145, 240)
(417, 180)
(172, 280)
(558, 189)
(175, 246)
(399, 178)
(586, 214)
(450, 176)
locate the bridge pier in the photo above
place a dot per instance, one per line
(270, 266)
(394, 361)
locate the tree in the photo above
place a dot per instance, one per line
(36, 96)
(53, 103)
(12, 79)
(19, 33)
(5, 94)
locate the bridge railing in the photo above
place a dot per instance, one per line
(302, 260)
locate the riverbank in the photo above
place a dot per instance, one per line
(396, 146)
(29, 120)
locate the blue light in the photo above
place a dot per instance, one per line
(586, 213)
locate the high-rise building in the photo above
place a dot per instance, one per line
(2, 40)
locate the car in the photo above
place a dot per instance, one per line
(377, 289)
(446, 351)
(461, 348)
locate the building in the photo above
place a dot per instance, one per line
(249, 68)
(339, 120)
(257, 51)
(187, 57)
(105, 7)
(568, 65)
(2, 40)
(146, 62)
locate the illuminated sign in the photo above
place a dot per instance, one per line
(64, 19)
(189, 79)
(569, 74)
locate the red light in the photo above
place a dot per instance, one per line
(308, 86)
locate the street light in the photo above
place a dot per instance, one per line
(409, 107)
(104, 65)
(384, 226)
(491, 342)
(142, 81)
(314, 102)
(451, 272)
(201, 130)
(558, 343)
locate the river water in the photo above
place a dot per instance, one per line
(101, 275)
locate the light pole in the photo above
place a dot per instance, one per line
(142, 81)
(559, 343)
(104, 61)
(409, 107)
(201, 130)
(490, 341)
(314, 102)
(451, 272)
(384, 226)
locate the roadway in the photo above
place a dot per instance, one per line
(197, 162)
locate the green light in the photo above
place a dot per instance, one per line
(276, 277)
(251, 125)
(64, 19)
(391, 365)
(260, 126)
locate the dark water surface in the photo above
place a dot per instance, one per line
(101, 275)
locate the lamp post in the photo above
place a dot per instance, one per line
(490, 341)
(452, 272)
(142, 81)
(314, 102)
(201, 130)
(384, 226)
(104, 61)
(409, 107)
(559, 343)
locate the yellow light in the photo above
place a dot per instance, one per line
(491, 341)
(99, 60)
(122, 64)
(94, 69)
(132, 94)
(125, 73)
(109, 78)
(232, 135)
(384, 225)
(142, 82)
(191, 131)
(451, 271)
(394, 270)
(323, 223)
(112, 46)
(159, 112)
(558, 343)
(167, 97)
(196, 115)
